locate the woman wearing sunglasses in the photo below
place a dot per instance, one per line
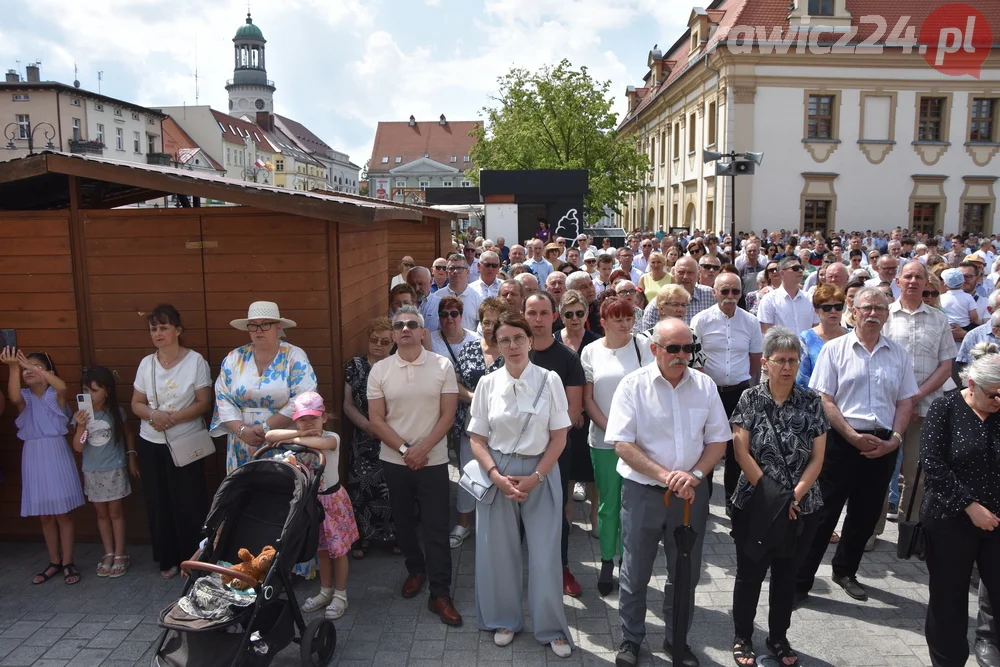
(828, 302)
(574, 310)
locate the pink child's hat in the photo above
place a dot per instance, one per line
(307, 404)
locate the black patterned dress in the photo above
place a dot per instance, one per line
(365, 484)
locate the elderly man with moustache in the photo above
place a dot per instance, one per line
(489, 266)
(458, 286)
(867, 385)
(787, 306)
(419, 278)
(732, 344)
(669, 428)
(685, 273)
(538, 264)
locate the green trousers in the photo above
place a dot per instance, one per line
(609, 508)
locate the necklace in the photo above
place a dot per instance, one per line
(168, 364)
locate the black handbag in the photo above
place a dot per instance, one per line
(912, 537)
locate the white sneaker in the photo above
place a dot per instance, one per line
(503, 637)
(870, 544)
(579, 492)
(458, 535)
(561, 647)
(318, 602)
(337, 607)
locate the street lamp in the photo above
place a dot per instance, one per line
(251, 173)
(735, 164)
(13, 131)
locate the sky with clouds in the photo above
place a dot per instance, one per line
(340, 66)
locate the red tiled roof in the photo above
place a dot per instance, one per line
(176, 142)
(235, 129)
(439, 143)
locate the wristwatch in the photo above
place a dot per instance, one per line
(403, 448)
(264, 427)
(698, 475)
(541, 477)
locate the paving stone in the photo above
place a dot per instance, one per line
(108, 639)
(44, 637)
(64, 620)
(65, 649)
(89, 657)
(23, 656)
(22, 629)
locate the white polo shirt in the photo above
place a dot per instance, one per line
(727, 343)
(780, 309)
(669, 424)
(470, 308)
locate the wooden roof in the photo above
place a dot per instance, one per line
(46, 181)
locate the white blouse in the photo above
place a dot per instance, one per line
(501, 404)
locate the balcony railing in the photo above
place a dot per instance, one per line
(162, 159)
(230, 82)
(86, 147)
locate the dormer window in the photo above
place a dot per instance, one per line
(695, 39)
(821, 7)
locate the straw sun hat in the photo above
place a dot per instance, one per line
(262, 310)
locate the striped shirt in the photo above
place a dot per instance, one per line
(703, 299)
(981, 334)
(926, 336)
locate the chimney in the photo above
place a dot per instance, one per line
(12, 76)
(265, 120)
(443, 121)
(413, 121)
(33, 73)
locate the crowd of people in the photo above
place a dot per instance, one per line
(858, 371)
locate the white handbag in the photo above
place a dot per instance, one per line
(189, 448)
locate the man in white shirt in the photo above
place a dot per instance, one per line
(787, 306)
(605, 265)
(538, 264)
(888, 267)
(625, 264)
(458, 286)
(412, 397)
(489, 266)
(986, 252)
(471, 260)
(641, 262)
(867, 385)
(669, 427)
(732, 344)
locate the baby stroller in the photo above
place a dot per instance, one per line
(268, 501)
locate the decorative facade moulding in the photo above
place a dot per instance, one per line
(821, 149)
(982, 152)
(876, 151)
(931, 152)
(745, 95)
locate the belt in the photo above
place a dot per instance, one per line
(882, 433)
(515, 455)
(735, 387)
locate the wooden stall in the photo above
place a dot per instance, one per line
(78, 275)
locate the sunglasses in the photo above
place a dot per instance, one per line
(375, 340)
(694, 250)
(797, 267)
(440, 268)
(827, 307)
(409, 324)
(931, 294)
(711, 267)
(456, 269)
(730, 292)
(627, 292)
(449, 313)
(490, 265)
(573, 314)
(408, 265)
(677, 349)
(266, 326)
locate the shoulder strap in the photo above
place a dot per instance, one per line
(916, 485)
(152, 364)
(635, 344)
(448, 346)
(524, 427)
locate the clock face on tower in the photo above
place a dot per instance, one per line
(259, 103)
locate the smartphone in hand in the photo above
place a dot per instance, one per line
(8, 338)
(86, 403)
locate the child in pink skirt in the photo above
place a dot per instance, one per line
(338, 531)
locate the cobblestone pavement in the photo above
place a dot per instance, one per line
(112, 623)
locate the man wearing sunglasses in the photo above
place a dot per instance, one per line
(669, 427)
(489, 266)
(685, 273)
(458, 286)
(439, 275)
(787, 306)
(732, 344)
(412, 397)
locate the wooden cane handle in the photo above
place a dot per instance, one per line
(687, 507)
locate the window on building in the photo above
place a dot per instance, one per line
(23, 126)
(21, 97)
(984, 120)
(695, 39)
(692, 133)
(119, 139)
(821, 117)
(98, 107)
(931, 123)
(279, 165)
(400, 183)
(100, 133)
(74, 102)
(150, 121)
(817, 218)
(229, 156)
(385, 159)
(150, 143)
(465, 158)
(424, 185)
(821, 7)
(135, 143)
(399, 158)
(454, 158)
(652, 150)
(662, 222)
(673, 214)
(709, 214)
(118, 112)
(135, 116)
(76, 129)
(924, 218)
(446, 184)
(712, 120)
(677, 141)
(466, 184)
(974, 218)
(663, 146)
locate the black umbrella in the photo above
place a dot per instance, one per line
(685, 537)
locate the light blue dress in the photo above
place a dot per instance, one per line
(811, 345)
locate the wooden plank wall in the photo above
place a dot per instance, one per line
(416, 239)
(36, 284)
(364, 283)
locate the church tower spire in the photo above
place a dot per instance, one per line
(249, 90)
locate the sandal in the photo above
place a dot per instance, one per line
(120, 567)
(361, 549)
(782, 650)
(45, 575)
(743, 654)
(834, 538)
(169, 574)
(71, 574)
(396, 550)
(337, 606)
(104, 567)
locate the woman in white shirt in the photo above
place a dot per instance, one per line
(605, 363)
(451, 337)
(172, 392)
(405, 265)
(518, 426)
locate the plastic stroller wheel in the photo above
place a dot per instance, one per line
(319, 641)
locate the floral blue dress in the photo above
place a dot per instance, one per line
(241, 394)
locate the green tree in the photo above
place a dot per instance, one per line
(560, 118)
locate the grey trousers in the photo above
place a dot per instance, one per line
(499, 591)
(646, 521)
(986, 628)
(464, 503)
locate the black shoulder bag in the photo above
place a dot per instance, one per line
(912, 537)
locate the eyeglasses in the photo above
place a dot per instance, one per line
(932, 294)
(456, 269)
(449, 313)
(266, 326)
(675, 304)
(626, 292)
(735, 291)
(590, 260)
(375, 340)
(518, 340)
(677, 349)
(571, 314)
(781, 363)
(694, 250)
(490, 265)
(409, 324)
(873, 308)
(796, 267)
(827, 307)
(408, 265)
(987, 394)
(647, 245)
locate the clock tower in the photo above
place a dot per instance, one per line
(249, 90)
